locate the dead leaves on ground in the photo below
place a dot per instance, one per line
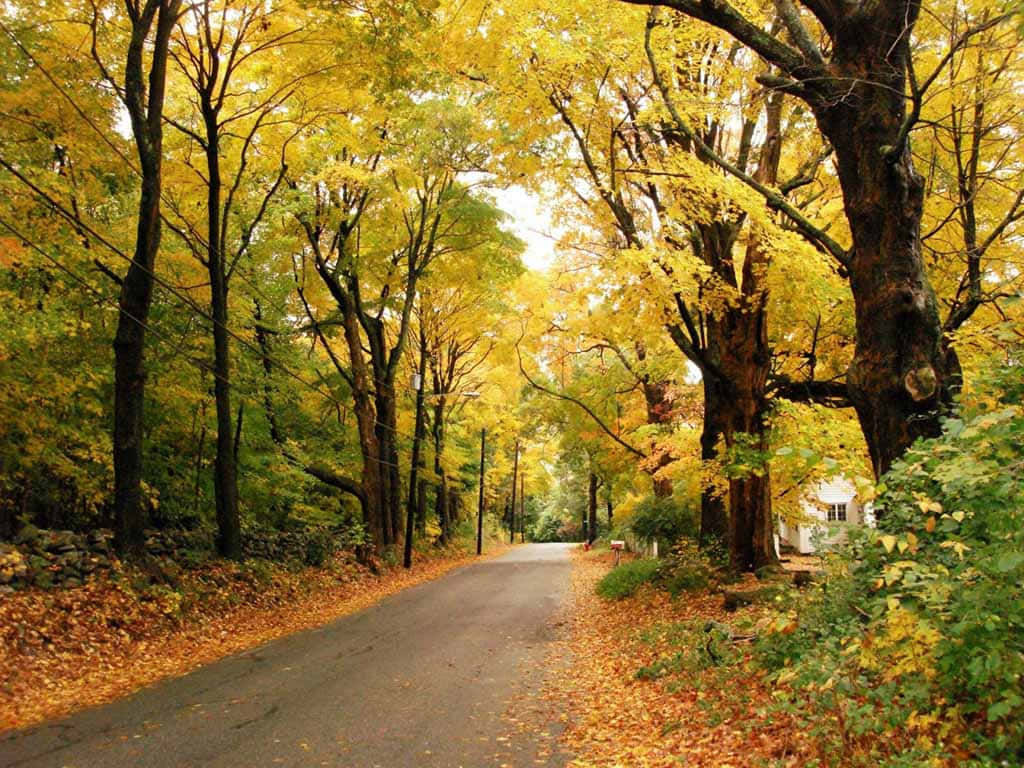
(713, 717)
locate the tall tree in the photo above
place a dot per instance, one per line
(151, 23)
(224, 58)
(856, 72)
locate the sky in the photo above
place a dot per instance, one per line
(531, 222)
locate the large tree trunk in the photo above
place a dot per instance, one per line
(745, 362)
(903, 373)
(713, 516)
(144, 104)
(366, 423)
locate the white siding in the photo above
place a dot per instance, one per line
(817, 532)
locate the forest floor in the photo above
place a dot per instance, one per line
(65, 649)
(646, 689)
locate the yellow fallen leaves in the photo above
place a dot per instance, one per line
(708, 719)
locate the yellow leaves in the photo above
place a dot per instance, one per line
(929, 525)
(957, 546)
(888, 541)
(928, 506)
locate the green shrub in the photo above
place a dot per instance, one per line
(917, 638)
(319, 547)
(686, 568)
(625, 579)
(663, 520)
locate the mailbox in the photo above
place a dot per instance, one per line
(617, 547)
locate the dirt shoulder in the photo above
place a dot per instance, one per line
(66, 649)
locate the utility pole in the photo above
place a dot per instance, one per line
(416, 440)
(480, 504)
(522, 508)
(515, 479)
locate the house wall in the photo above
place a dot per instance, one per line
(817, 533)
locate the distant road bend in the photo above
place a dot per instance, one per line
(420, 679)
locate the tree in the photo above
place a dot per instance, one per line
(226, 60)
(151, 25)
(858, 83)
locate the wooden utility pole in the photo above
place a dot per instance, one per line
(416, 440)
(515, 478)
(480, 503)
(522, 508)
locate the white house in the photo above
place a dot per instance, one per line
(828, 509)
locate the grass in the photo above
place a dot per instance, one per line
(625, 579)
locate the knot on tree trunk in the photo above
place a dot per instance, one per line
(921, 383)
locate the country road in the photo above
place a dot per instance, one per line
(420, 679)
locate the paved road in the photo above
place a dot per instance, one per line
(421, 679)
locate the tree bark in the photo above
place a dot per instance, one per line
(592, 509)
(903, 373)
(414, 468)
(229, 532)
(145, 110)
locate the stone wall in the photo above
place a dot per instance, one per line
(45, 558)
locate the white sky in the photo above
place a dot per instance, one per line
(531, 222)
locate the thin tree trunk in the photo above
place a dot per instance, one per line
(229, 533)
(515, 478)
(410, 518)
(592, 509)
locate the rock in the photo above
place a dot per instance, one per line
(5, 590)
(28, 534)
(60, 541)
(803, 578)
(736, 599)
(43, 579)
(72, 582)
(768, 571)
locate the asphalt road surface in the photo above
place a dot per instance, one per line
(423, 678)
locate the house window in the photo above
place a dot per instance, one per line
(837, 513)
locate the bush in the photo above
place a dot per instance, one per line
(663, 520)
(625, 579)
(686, 568)
(319, 547)
(916, 644)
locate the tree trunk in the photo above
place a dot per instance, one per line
(414, 467)
(903, 372)
(713, 517)
(441, 499)
(592, 509)
(515, 480)
(366, 423)
(387, 422)
(145, 109)
(229, 533)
